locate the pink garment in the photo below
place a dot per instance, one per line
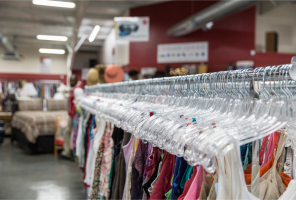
(127, 149)
(263, 147)
(269, 151)
(194, 190)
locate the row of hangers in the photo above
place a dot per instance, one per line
(201, 116)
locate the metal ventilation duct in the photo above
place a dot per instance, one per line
(10, 53)
(217, 11)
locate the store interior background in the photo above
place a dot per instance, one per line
(238, 37)
(230, 39)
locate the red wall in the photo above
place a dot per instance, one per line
(33, 77)
(230, 39)
(270, 59)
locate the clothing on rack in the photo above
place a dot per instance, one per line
(120, 166)
(199, 136)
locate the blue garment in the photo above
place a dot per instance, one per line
(180, 168)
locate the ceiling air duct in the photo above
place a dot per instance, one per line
(9, 50)
(205, 18)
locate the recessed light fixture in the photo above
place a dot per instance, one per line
(52, 51)
(52, 37)
(94, 33)
(62, 4)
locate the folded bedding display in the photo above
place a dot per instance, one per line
(36, 123)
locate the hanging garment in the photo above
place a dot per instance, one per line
(117, 190)
(106, 162)
(127, 150)
(262, 151)
(290, 193)
(138, 168)
(180, 168)
(206, 187)
(95, 185)
(186, 177)
(195, 188)
(229, 167)
(154, 182)
(117, 137)
(153, 162)
(128, 183)
(169, 175)
(288, 162)
(188, 183)
(86, 147)
(96, 142)
(155, 166)
(212, 194)
(158, 190)
(272, 187)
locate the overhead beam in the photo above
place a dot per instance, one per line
(147, 3)
(111, 4)
(16, 31)
(33, 40)
(51, 14)
(123, 4)
(36, 45)
(34, 22)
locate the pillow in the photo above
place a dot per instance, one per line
(56, 104)
(30, 104)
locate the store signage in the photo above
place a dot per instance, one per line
(132, 28)
(45, 64)
(183, 52)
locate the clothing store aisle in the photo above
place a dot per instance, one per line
(24, 176)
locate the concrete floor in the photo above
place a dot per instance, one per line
(24, 176)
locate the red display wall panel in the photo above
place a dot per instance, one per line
(33, 77)
(230, 39)
(271, 59)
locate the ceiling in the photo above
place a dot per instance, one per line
(21, 21)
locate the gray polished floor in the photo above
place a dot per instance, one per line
(24, 176)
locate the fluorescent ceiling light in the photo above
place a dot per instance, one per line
(62, 4)
(52, 37)
(94, 33)
(52, 51)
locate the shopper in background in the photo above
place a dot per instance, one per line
(66, 147)
(134, 75)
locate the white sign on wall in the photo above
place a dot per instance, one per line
(84, 73)
(132, 28)
(45, 64)
(183, 52)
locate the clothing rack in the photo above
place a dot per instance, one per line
(259, 74)
(280, 74)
